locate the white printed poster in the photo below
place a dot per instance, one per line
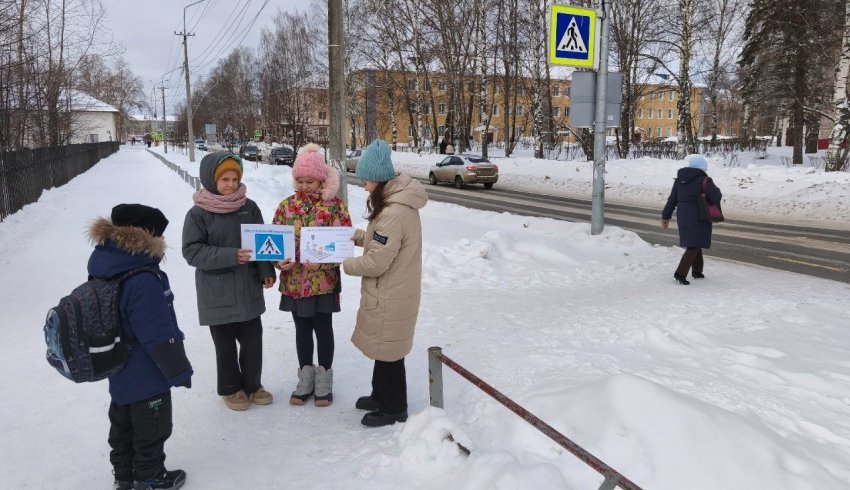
(326, 244)
(269, 242)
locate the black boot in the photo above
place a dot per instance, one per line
(168, 480)
(122, 485)
(366, 403)
(680, 279)
(378, 418)
(698, 275)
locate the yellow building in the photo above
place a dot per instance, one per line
(657, 114)
(379, 100)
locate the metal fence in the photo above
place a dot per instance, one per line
(436, 359)
(25, 174)
(189, 179)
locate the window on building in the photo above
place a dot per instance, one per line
(495, 110)
(660, 133)
(323, 115)
(566, 112)
(651, 95)
(427, 84)
(428, 110)
(441, 130)
(427, 131)
(93, 138)
(556, 112)
(441, 86)
(410, 131)
(640, 113)
(650, 113)
(649, 132)
(660, 114)
(672, 95)
(567, 92)
(669, 131)
(669, 113)
(520, 90)
(519, 110)
(323, 132)
(411, 84)
(442, 108)
(556, 91)
(660, 95)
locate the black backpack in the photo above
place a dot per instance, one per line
(83, 332)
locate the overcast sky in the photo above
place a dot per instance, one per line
(146, 30)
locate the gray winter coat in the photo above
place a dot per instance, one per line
(227, 292)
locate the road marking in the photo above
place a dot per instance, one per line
(803, 262)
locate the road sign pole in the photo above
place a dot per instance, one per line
(597, 214)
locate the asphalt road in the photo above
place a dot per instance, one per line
(815, 252)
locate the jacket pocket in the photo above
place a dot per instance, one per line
(219, 288)
(368, 302)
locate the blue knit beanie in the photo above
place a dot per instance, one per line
(375, 164)
(698, 161)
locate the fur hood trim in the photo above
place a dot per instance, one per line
(131, 239)
(331, 184)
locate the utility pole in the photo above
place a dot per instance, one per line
(191, 135)
(164, 122)
(336, 94)
(597, 213)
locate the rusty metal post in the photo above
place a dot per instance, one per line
(435, 376)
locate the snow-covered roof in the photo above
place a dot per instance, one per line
(83, 102)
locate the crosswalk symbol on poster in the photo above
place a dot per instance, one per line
(572, 40)
(268, 246)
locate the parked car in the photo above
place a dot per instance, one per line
(281, 155)
(200, 145)
(352, 159)
(464, 169)
(250, 152)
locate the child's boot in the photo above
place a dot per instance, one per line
(324, 387)
(168, 480)
(237, 401)
(306, 385)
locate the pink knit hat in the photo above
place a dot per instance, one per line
(311, 163)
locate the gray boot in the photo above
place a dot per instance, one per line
(324, 387)
(306, 383)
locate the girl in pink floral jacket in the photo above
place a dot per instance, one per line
(311, 291)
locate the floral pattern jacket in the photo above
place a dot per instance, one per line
(301, 209)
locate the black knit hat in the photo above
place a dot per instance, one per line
(151, 219)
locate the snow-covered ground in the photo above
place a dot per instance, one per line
(739, 381)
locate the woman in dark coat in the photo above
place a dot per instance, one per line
(694, 234)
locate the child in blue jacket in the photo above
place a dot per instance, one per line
(140, 411)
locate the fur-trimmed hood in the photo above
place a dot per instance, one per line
(129, 239)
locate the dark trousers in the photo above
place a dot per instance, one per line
(322, 325)
(137, 437)
(692, 258)
(240, 371)
(389, 386)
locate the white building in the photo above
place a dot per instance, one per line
(92, 121)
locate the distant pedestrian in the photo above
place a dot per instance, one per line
(140, 411)
(391, 285)
(229, 286)
(694, 234)
(133, 141)
(443, 144)
(311, 291)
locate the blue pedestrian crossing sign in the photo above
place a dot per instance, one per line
(269, 246)
(572, 37)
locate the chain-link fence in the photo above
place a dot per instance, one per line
(24, 174)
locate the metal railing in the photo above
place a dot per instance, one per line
(436, 359)
(195, 182)
(26, 173)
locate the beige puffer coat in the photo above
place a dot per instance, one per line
(391, 267)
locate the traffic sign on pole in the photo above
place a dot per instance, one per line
(572, 37)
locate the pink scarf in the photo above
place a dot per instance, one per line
(218, 204)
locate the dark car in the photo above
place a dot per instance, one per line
(281, 155)
(250, 152)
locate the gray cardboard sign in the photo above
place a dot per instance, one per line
(583, 99)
